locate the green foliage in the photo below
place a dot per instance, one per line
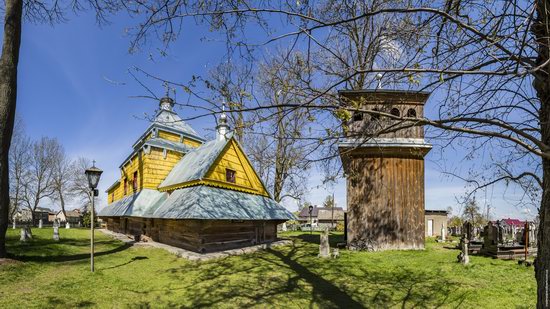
(86, 219)
(472, 213)
(343, 114)
(329, 202)
(455, 221)
(56, 274)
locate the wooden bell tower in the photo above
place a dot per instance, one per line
(384, 169)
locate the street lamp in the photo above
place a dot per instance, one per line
(93, 174)
(310, 220)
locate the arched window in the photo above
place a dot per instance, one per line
(395, 112)
(411, 113)
(357, 116)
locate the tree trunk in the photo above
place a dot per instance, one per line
(542, 262)
(8, 97)
(62, 202)
(541, 83)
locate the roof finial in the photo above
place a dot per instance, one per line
(167, 88)
(379, 78)
(222, 128)
(167, 103)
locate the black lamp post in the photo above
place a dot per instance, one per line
(93, 174)
(310, 220)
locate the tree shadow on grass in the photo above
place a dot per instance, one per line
(63, 257)
(135, 258)
(323, 290)
(314, 238)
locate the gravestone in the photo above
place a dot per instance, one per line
(25, 233)
(67, 225)
(13, 224)
(324, 246)
(463, 256)
(443, 231)
(284, 228)
(56, 233)
(40, 224)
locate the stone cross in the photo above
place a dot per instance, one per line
(56, 233)
(463, 256)
(284, 228)
(25, 233)
(324, 246)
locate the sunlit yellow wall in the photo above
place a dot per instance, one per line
(169, 136)
(127, 173)
(117, 193)
(157, 167)
(191, 143)
(234, 158)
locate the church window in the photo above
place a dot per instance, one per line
(135, 182)
(395, 112)
(230, 175)
(411, 113)
(125, 186)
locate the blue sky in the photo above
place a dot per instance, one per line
(74, 85)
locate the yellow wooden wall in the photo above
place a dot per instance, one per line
(152, 167)
(169, 136)
(156, 167)
(234, 158)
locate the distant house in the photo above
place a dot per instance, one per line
(321, 217)
(41, 213)
(435, 221)
(72, 216)
(510, 226)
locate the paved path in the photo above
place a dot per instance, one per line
(194, 256)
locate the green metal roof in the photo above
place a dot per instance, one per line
(198, 202)
(166, 144)
(195, 164)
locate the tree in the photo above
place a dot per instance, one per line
(278, 150)
(19, 160)
(329, 202)
(455, 221)
(8, 94)
(79, 186)
(473, 214)
(40, 183)
(62, 178)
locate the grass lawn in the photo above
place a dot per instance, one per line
(56, 274)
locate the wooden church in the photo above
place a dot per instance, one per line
(384, 169)
(181, 190)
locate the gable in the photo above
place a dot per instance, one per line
(233, 157)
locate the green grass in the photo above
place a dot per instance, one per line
(57, 275)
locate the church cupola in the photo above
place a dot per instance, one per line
(167, 104)
(222, 129)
